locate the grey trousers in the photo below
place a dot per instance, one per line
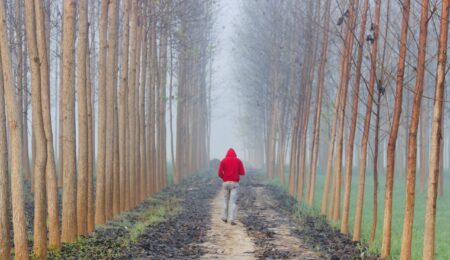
(230, 190)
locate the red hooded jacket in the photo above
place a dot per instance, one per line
(231, 167)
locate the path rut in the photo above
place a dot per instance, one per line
(224, 241)
(261, 232)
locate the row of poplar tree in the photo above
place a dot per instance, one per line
(104, 75)
(297, 72)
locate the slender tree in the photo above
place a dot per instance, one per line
(365, 136)
(326, 189)
(82, 167)
(319, 95)
(142, 142)
(123, 108)
(151, 152)
(110, 103)
(345, 76)
(5, 248)
(90, 186)
(51, 180)
(21, 83)
(40, 160)
(15, 132)
(100, 216)
(131, 103)
(386, 242)
(60, 124)
(137, 129)
(436, 132)
(161, 100)
(69, 217)
(354, 117)
(412, 140)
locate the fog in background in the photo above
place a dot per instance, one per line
(225, 114)
(225, 106)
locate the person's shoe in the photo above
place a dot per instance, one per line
(224, 220)
(233, 223)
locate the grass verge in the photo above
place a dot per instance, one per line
(110, 240)
(442, 250)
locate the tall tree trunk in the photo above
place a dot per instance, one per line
(273, 112)
(60, 119)
(436, 131)
(172, 149)
(317, 116)
(345, 76)
(82, 167)
(69, 217)
(377, 131)
(295, 125)
(326, 189)
(100, 214)
(21, 83)
(40, 227)
(303, 144)
(354, 117)
(142, 142)
(365, 136)
(307, 79)
(151, 102)
(24, 122)
(5, 247)
(137, 161)
(161, 122)
(51, 180)
(375, 173)
(91, 149)
(116, 166)
(15, 132)
(386, 242)
(110, 86)
(116, 170)
(131, 103)
(123, 109)
(181, 106)
(412, 140)
(93, 12)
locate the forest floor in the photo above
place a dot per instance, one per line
(183, 222)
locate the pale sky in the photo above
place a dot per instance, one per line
(225, 112)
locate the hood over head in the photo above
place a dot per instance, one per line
(231, 153)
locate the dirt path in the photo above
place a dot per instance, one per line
(282, 241)
(183, 222)
(270, 228)
(265, 233)
(281, 230)
(224, 241)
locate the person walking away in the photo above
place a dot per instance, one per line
(230, 170)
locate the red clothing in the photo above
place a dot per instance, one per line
(231, 167)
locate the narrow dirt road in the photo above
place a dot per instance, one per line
(271, 227)
(277, 237)
(184, 222)
(224, 241)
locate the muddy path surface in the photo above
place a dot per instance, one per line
(281, 230)
(224, 241)
(183, 222)
(170, 225)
